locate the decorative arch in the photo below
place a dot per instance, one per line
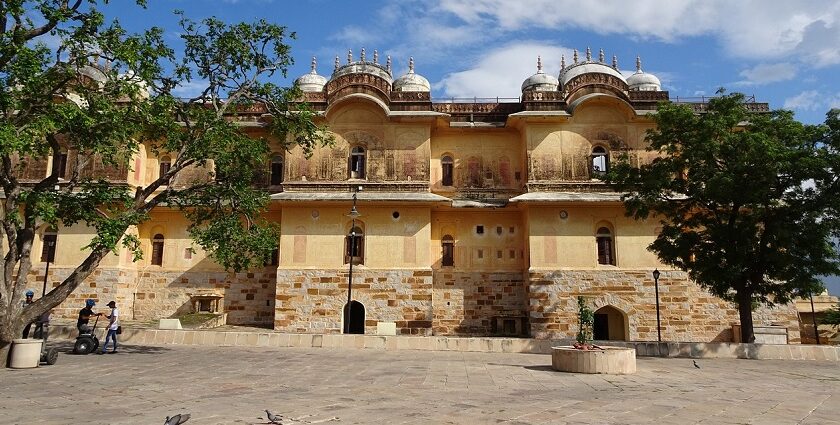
(354, 244)
(447, 243)
(605, 243)
(447, 165)
(276, 169)
(610, 324)
(356, 317)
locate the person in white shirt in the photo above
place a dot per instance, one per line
(113, 325)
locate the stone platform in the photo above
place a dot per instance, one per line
(267, 338)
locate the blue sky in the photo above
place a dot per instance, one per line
(786, 53)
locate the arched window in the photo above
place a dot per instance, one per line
(157, 250)
(59, 165)
(48, 250)
(355, 246)
(448, 170)
(606, 250)
(600, 160)
(276, 170)
(448, 246)
(165, 165)
(357, 163)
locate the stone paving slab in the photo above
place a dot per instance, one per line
(141, 384)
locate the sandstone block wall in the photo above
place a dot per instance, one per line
(688, 313)
(103, 285)
(467, 303)
(311, 301)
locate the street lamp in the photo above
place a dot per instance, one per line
(656, 288)
(50, 255)
(352, 248)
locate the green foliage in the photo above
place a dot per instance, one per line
(832, 316)
(102, 95)
(586, 322)
(747, 201)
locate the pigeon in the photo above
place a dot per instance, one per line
(695, 364)
(177, 419)
(272, 418)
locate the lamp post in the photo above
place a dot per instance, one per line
(50, 254)
(814, 318)
(352, 248)
(656, 288)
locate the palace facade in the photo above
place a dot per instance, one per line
(479, 217)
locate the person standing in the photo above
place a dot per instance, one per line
(29, 294)
(113, 325)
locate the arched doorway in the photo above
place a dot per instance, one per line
(357, 317)
(610, 324)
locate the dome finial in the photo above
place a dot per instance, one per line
(588, 54)
(575, 56)
(375, 56)
(411, 64)
(313, 65)
(362, 55)
(562, 62)
(615, 63)
(638, 63)
(539, 65)
(336, 63)
(601, 55)
(388, 64)
(349, 56)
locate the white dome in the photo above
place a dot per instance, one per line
(363, 67)
(540, 81)
(642, 81)
(412, 81)
(588, 67)
(311, 82)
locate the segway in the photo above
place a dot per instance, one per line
(48, 355)
(87, 342)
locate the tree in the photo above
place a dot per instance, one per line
(747, 201)
(66, 101)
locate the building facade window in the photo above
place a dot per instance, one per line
(59, 165)
(276, 170)
(355, 246)
(157, 250)
(448, 166)
(600, 161)
(165, 165)
(357, 163)
(606, 248)
(448, 247)
(50, 241)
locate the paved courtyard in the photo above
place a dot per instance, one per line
(232, 385)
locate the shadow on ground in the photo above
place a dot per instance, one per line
(66, 347)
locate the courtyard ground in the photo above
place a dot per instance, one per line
(233, 385)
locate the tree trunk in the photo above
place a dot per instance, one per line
(8, 331)
(745, 313)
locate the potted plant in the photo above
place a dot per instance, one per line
(586, 322)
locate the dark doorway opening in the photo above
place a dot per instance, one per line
(601, 329)
(357, 317)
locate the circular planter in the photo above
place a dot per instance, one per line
(26, 353)
(610, 360)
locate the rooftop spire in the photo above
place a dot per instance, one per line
(575, 56)
(375, 56)
(601, 55)
(349, 56)
(562, 61)
(312, 65)
(638, 63)
(411, 64)
(388, 64)
(336, 63)
(362, 55)
(539, 65)
(588, 54)
(615, 63)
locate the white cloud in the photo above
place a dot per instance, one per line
(768, 73)
(492, 73)
(354, 36)
(808, 100)
(190, 88)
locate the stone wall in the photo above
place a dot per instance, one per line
(248, 298)
(467, 303)
(688, 313)
(311, 301)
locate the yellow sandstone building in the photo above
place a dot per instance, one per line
(474, 218)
